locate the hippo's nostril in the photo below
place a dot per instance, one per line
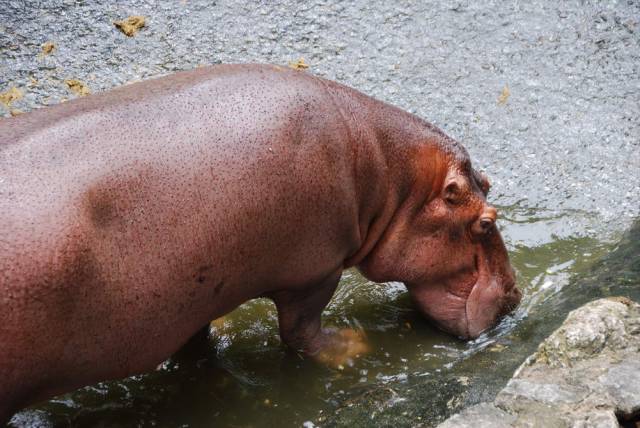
(483, 225)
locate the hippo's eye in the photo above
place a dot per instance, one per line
(452, 193)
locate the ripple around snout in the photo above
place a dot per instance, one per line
(241, 373)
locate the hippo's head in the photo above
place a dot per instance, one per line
(443, 244)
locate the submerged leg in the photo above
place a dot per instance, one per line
(299, 318)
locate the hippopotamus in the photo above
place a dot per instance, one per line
(132, 218)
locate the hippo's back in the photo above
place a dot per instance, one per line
(208, 119)
(224, 115)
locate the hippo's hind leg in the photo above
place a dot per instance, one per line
(299, 318)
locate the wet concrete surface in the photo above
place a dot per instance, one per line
(566, 138)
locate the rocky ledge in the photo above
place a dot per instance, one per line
(586, 374)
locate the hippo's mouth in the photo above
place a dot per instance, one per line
(445, 302)
(488, 302)
(469, 303)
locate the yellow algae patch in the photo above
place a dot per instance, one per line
(218, 323)
(504, 95)
(131, 25)
(497, 347)
(353, 344)
(299, 64)
(10, 95)
(48, 48)
(77, 87)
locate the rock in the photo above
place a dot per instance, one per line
(479, 416)
(549, 393)
(599, 419)
(622, 382)
(585, 374)
(586, 333)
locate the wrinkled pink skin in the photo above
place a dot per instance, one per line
(130, 219)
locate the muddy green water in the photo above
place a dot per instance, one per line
(241, 376)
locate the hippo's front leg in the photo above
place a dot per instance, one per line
(299, 318)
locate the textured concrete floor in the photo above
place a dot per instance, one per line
(566, 140)
(564, 143)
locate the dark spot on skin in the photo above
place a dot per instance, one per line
(100, 207)
(218, 287)
(202, 270)
(202, 277)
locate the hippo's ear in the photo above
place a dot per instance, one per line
(482, 180)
